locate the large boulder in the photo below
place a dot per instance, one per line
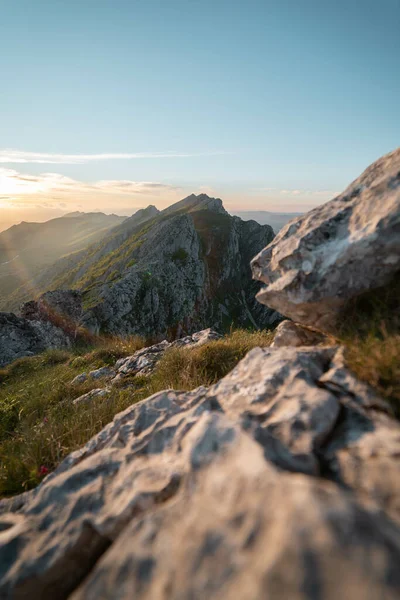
(20, 337)
(280, 481)
(338, 250)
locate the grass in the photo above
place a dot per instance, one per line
(39, 425)
(370, 330)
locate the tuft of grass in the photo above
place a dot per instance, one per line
(39, 425)
(185, 369)
(370, 330)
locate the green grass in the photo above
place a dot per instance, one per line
(370, 330)
(39, 425)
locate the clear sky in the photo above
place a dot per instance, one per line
(115, 104)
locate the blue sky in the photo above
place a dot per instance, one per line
(273, 104)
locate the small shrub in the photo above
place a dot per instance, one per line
(180, 255)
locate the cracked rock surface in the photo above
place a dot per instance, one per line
(336, 251)
(280, 481)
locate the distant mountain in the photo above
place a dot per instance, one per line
(28, 248)
(170, 272)
(276, 220)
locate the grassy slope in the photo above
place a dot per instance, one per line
(39, 425)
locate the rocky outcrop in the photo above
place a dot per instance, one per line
(281, 481)
(144, 361)
(318, 262)
(21, 337)
(61, 307)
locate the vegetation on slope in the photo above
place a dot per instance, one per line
(370, 330)
(39, 425)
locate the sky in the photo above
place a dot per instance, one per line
(112, 105)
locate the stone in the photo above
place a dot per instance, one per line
(320, 261)
(81, 378)
(102, 373)
(21, 337)
(280, 481)
(64, 305)
(289, 333)
(143, 361)
(90, 396)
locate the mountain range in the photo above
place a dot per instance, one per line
(28, 248)
(163, 273)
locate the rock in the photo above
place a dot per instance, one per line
(102, 373)
(79, 379)
(20, 337)
(197, 339)
(280, 481)
(63, 308)
(87, 398)
(144, 360)
(289, 333)
(319, 261)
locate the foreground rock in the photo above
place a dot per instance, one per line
(347, 246)
(20, 337)
(281, 481)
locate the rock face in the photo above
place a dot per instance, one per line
(337, 251)
(21, 337)
(281, 481)
(64, 306)
(170, 274)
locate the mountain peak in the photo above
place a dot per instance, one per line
(200, 202)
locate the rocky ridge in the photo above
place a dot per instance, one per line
(171, 273)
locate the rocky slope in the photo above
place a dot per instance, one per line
(28, 248)
(170, 273)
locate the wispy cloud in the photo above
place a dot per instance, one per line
(15, 183)
(10, 156)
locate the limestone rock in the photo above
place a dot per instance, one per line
(338, 250)
(213, 494)
(289, 333)
(143, 361)
(20, 337)
(89, 396)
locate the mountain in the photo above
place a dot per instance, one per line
(169, 272)
(28, 248)
(276, 220)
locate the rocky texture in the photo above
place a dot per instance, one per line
(293, 334)
(171, 273)
(281, 481)
(21, 337)
(101, 373)
(64, 307)
(337, 251)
